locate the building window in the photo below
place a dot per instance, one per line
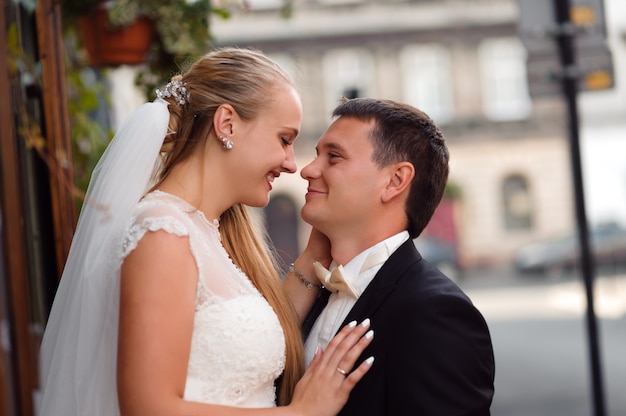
(504, 84)
(338, 2)
(347, 73)
(261, 5)
(516, 202)
(427, 80)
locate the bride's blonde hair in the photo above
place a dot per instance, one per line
(243, 78)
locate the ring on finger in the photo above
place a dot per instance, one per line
(341, 371)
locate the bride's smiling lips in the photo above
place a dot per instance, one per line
(270, 177)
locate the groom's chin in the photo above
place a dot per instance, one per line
(308, 214)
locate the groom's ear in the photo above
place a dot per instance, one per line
(400, 177)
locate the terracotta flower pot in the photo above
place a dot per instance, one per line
(114, 46)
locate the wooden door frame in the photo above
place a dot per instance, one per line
(14, 245)
(54, 124)
(57, 125)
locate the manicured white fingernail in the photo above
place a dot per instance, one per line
(352, 324)
(369, 361)
(369, 334)
(365, 322)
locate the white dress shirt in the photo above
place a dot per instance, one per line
(340, 303)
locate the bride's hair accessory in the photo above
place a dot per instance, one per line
(176, 89)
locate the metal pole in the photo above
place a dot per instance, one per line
(565, 41)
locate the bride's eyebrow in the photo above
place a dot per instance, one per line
(292, 131)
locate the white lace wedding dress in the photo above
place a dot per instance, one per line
(237, 346)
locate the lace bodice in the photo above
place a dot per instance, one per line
(237, 345)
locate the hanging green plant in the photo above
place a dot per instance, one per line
(181, 31)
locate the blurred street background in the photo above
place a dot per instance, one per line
(540, 341)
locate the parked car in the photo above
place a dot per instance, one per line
(561, 255)
(440, 253)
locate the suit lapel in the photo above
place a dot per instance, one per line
(318, 306)
(383, 283)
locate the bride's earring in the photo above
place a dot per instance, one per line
(228, 144)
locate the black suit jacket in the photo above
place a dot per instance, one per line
(432, 348)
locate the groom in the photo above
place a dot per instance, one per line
(380, 172)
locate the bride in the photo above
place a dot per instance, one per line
(169, 303)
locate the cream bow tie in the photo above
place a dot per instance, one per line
(336, 280)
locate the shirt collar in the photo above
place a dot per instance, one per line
(352, 269)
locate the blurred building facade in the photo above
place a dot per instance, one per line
(462, 63)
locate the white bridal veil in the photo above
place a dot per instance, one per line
(79, 348)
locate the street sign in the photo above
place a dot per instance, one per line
(594, 71)
(537, 29)
(537, 19)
